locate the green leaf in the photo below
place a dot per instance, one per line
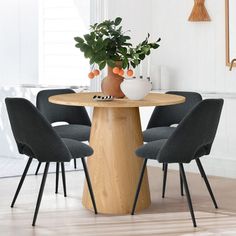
(142, 57)
(126, 37)
(119, 29)
(87, 37)
(125, 63)
(118, 20)
(111, 63)
(78, 39)
(88, 53)
(92, 61)
(155, 45)
(78, 45)
(136, 62)
(123, 50)
(146, 49)
(84, 47)
(99, 45)
(127, 44)
(102, 65)
(133, 65)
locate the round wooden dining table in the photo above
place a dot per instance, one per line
(115, 134)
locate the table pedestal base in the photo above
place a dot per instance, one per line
(114, 168)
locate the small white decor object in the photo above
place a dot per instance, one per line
(165, 78)
(156, 77)
(135, 88)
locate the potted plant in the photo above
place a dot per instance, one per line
(108, 45)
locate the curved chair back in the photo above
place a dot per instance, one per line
(195, 134)
(33, 133)
(169, 115)
(55, 113)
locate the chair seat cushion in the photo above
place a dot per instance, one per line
(157, 133)
(77, 132)
(77, 149)
(151, 149)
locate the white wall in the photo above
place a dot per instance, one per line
(194, 55)
(18, 60)
(193, 52)
(18, 42)
(135, 14)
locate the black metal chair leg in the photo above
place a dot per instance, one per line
(57, 176)
(200, 167)
(163, 166)
(181, 184)
(89, 185)
(164, 179)
(21, 181)
(139, 186)
(181, 167)
(75, 164)
(63, 178)
(38, 167)
(40, 193)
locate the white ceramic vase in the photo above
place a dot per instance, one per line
(135, 89)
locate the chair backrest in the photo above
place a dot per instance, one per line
(169, 115)
(55, 113)
(32, 130)
(197, 130)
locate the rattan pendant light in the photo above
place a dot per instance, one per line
(199, 12)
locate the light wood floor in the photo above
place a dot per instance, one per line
(169, 216)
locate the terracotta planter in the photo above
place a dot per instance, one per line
(111, 84)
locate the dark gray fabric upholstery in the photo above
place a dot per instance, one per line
(35, 137)
(77, 149)
(169, 115)
(151, 149)
(77, 132)
(157, 133)
(54, 113)
(192, 138)
(76, 116)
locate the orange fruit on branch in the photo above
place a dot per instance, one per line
(121, 72)
(130, 72)
(96, 72)
(116, 70)
(91, 75)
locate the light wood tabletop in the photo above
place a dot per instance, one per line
(86, 99)
(115, 135)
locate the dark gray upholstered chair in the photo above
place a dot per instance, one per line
(159, 126)
(191, 140)
(78, 127)
(36, 138)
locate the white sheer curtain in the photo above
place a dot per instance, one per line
(59, 22)
(99, 12)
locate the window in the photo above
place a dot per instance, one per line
(60, 62)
